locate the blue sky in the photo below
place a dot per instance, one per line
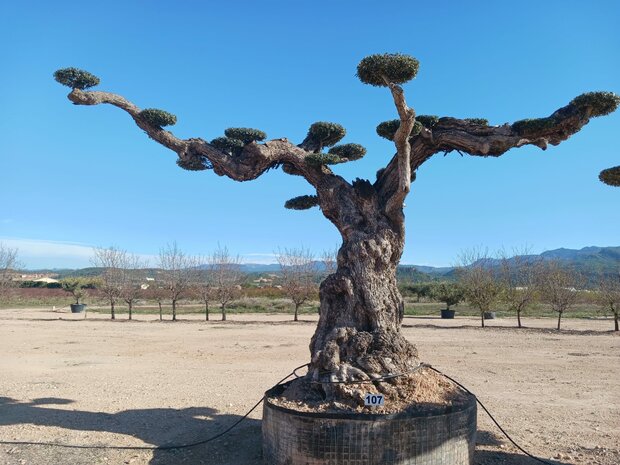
(77, 177)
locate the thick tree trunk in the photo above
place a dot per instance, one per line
(358, 334)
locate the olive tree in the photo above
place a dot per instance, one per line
(448, 293)
(358, 334)
(298, 270)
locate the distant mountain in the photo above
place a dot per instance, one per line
(589, 261)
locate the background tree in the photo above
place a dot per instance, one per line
(9, 264)
(329, 260)
(132, 279)
(448, 293)
(479, 280)
(76, 287)
(358, 334)
(298, 270)
(226, 276)
(203, 289)
(557, 286)
(608, 295)
(518, 276)
(177, 271)
(112, 260)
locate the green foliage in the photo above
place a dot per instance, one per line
(228, 145)
(611, 176)
(303, 202)
(448, 293)
(75, 287)
(526, 127)
(245, 135)
(348, 151)
(480, 121)
(318, 159)
(427, 121)
(600, 103)
(159, 118)
(387, 129)
(326, 134)
(76, 78)
(194, 164)
(393, 67)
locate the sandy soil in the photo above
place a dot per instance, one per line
(147, 383)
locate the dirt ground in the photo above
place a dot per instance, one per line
(149, 383)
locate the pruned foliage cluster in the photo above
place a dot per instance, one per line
(387, 129)
(197, 163)
(391, 67)
(480, 121)
(318, 159)
(157, 117)
(529, 126)
(611, 176)
(348, 151)
(228, 145)
(303, 202)
(76, 78)
(246, 135)
(325, 134)
(600, 103)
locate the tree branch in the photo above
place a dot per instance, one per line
(394, 203)
(253, 161)
(478, 139)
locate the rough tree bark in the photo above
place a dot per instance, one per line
(358, 334)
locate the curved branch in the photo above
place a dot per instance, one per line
(478, 139)
(253, 161)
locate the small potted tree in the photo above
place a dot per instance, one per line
(448, 293)
(75, 287)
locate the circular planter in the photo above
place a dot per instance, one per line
(77, 308)
(445, 435)
(448, 314)
(489, 315)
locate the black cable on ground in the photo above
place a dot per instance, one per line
(170, 447)
(293, 373)
(491, 417)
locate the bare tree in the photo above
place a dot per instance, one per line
(329, 259)
(177, 270)
(358, 333)
(112, 260)
(518, 280)
(608, 295)
(8, 265)
(225, 272)
(132, 280)
(298, 270)
(479, 280)
(203, 288)
(558, 285)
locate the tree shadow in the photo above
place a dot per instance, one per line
(160, 427)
